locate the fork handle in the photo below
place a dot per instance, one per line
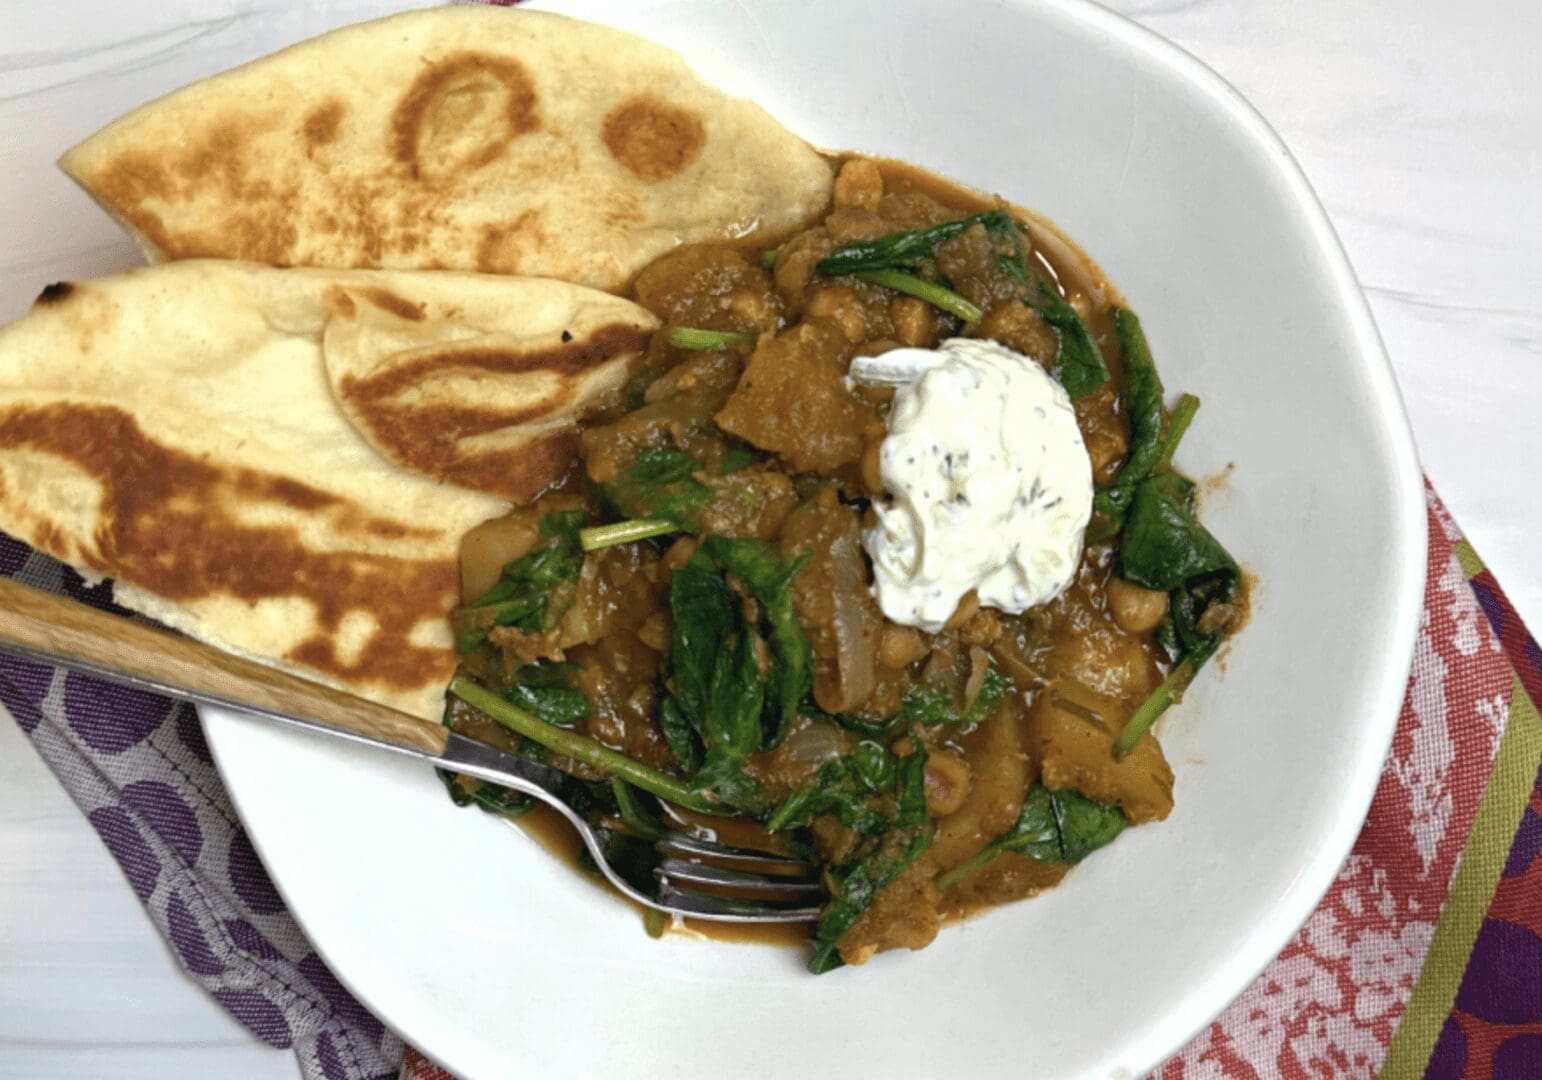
(72, 635)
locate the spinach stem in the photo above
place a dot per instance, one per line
(932, 293)
(1177, 423)
(1170, 691)
(687, 337)
(623, 532)
(580, 748)
(964, 869)
(632, 811)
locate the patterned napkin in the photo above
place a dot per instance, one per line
(1425, 958)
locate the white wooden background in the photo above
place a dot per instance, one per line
(1419, 122)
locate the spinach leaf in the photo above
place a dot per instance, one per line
(910, 786)
(1166, 548)
(679, 734)
(865, 725)
(845, 787)
(1084, 824)
(722, 779)
(909, 249)
(1079, 362)
(535, 590)
(630, 807)
(769, 580)
(931, 707)
(720, 693)
(735, 458)
(489, 798)
(705, 619)
(660, 485)
(557, 705)
(854, 886)
(1053, 826)
(1141, 400)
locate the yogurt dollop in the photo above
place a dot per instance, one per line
(988, 482)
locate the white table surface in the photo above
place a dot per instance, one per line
(1419, 122)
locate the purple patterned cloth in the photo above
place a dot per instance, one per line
(138, 766)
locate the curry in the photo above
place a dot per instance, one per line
(699, 594)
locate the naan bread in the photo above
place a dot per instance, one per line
(179, 428)
(465, 138)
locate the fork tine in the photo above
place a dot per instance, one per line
(686, 872)
(709, 906)
(683, 845)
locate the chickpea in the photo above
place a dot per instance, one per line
(900, 646)
(947, 783)
(1135, 609)
(912, 320)
(859, 183)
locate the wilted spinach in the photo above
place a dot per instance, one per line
(769, 580)
(1141, 400)
(1054, 826)
(932, 707)
(893, 261)
(910, 249)
(869, 790)
(720, 695)
(546, 690)
(854, 886)
(535, 590)
(1165, 548)
(1079, 363)
(660, 485)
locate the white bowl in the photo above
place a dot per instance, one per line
(481, 949)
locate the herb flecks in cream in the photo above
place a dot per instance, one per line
(987, 481)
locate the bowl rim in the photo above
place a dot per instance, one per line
(1406, 520)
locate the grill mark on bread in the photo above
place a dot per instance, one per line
(169, 524)
(653, 140)
(429, 437)
(449, 122)
(386, 300)
(322, 122)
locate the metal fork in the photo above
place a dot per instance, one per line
(676, 872)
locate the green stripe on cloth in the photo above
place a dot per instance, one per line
(1467, 556)
(1483, 858)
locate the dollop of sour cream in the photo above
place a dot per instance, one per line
(987, 481)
